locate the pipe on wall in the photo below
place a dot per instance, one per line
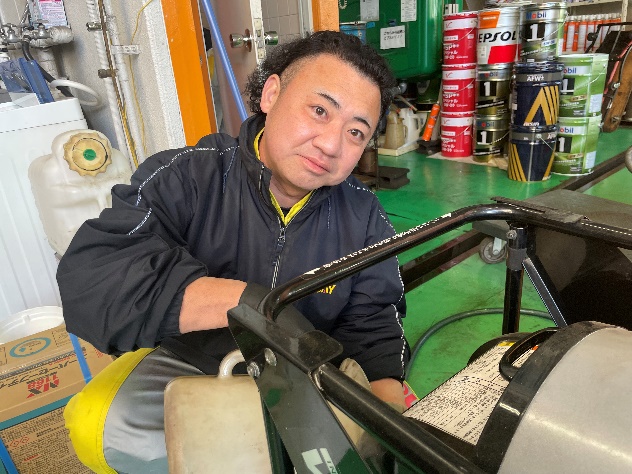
(122, 75)
(109, 87)
(219, 48)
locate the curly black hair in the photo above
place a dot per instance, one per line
(346, 47)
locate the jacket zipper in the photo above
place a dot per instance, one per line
(281, 242)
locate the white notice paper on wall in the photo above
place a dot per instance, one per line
(369, 10)
(409, 10)
(393, 37)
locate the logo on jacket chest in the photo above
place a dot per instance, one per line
(328, 289)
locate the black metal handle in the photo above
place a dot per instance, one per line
(506, 367)
(516, 211)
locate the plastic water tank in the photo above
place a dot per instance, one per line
(27, 263)
(73, 183)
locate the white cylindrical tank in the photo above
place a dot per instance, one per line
(73, 183)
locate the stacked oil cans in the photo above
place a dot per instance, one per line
(536, 91)
(507, 89)
(497, 47)
(458, 83)
(579, 122)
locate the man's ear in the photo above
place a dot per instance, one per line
(270, 93)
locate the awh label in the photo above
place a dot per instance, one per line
(535, 77)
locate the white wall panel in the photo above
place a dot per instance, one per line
(27, 262)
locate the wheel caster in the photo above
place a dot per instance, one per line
(492, 250)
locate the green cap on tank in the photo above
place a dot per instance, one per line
(89, 154)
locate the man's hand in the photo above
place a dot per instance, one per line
(389, 391)
(206, 302)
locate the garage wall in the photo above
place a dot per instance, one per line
(155, 86)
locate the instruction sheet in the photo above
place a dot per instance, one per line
(462, 405)
(409, 10)
(369, 10)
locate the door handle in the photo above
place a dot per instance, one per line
(241, 41)
(271, 38)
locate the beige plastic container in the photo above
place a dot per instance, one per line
(73, 183)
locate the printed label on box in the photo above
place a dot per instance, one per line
(42, 445)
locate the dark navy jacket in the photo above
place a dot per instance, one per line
(204, 211)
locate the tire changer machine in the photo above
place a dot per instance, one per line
(559, 397)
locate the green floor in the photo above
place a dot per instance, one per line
(440, 186)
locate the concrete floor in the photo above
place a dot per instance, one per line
(438, 186)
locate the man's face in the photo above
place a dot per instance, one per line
(318, 124)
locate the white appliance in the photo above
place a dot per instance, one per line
(27, 262)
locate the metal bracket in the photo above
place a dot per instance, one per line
(93, 26)
(125, 49)
(256, 335)
(105, 73)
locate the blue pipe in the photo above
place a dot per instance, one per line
(218, 46)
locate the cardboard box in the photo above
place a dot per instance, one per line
(38, 375)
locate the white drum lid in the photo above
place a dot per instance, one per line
(29, 322)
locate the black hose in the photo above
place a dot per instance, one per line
(457, 317)
(26, 52)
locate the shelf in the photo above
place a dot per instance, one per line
(585, 3)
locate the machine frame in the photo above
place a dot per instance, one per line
(296, 378)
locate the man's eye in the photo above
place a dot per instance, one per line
(357, 133)
(319, 110)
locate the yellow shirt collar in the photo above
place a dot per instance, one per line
(286, 218)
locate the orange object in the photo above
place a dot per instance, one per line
(431, 122)
(186, 47)
(325, 15)
(566, 23)
(570, 38)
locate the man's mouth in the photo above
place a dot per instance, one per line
(316, 165)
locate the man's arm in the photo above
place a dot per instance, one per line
(205, 306)
(125, 274)
(206, 303)
(389, 391)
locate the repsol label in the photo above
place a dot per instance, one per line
(497, 36)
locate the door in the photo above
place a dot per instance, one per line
(238, 17)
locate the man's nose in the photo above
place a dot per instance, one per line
(329, 139)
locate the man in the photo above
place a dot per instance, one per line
(199, 228)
